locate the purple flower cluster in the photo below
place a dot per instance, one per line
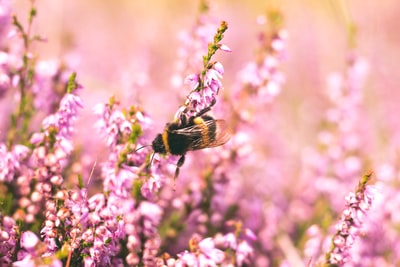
(338, 156)
(225, 250)
(263, 77)
(194, 44)
(377, 241)
(32, 170)
(138, 218)
(122, 132)
(205, 86)
(96, 228)
(8, 239)
(42, 167)
(200, 99)
(10, 161)
(357, 204)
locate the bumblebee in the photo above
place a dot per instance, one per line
(188, 134)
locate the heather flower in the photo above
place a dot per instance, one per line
(378, 241)
(263, 77)
(205, 86)
(8, 239)
(225, 250)
(139, 219)
(339, 155)
(28, 240)
(348, 228)
(117, 126)
(203, 253)
(32, 262)
(194, 44)
(53, 145)
(35, 172)
(250, 94)
(5, 18)
(93, 227)
(244, 252)
(49, 85)
(10, 161)
(312, 248)
(193, 81)
(65, 116)
(141, 229)
(152, 185)
(199, 260)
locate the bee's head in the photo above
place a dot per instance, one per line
(158, 145)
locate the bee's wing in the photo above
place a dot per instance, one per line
(190, 130)
(221, 134)
(199, 141)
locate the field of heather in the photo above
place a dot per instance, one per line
(199, 133)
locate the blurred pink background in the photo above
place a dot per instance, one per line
(129, 48)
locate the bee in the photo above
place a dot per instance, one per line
(188, 134)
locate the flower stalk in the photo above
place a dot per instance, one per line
(349, 227)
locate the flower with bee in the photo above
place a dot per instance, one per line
(192, 128)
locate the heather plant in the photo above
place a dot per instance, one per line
(240, 204)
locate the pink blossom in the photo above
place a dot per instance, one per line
(28, 240)
(193, 81)
(225, 48)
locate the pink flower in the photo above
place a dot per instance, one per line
(207, 247)
(193, 81)
(348, 228)
(243, 253)
(28, 240)
(225, 48)
(219, 68)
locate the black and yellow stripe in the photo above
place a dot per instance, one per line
(165, 141)
(205, 132)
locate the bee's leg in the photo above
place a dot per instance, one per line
(183, 119)
(207, 109)
(178, 165)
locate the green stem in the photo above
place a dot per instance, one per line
(20, 120)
